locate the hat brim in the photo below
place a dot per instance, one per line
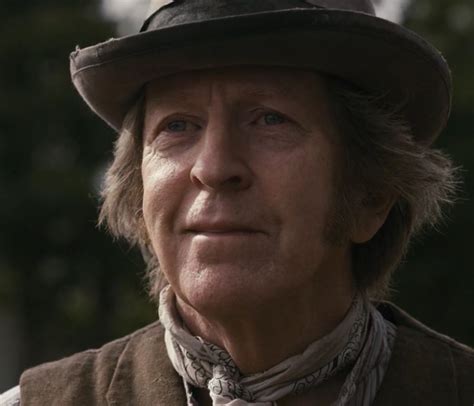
(372, 53)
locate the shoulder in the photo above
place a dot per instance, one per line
(102, 359)
(86, 377)
(426, 367)
(413, 332)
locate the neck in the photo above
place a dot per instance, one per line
(260, 337)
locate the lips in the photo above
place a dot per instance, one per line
(221, 228)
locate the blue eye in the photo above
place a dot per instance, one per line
(273, 119)
(177, 126)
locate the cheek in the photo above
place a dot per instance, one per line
(306, 190)
(315, 191)
(307, 184)
(161, 195)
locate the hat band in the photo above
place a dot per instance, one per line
(166, 13)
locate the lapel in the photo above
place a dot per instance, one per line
(144, 376)
(420, 371)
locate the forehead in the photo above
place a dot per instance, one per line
(237, 82)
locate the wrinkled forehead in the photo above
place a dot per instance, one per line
(242, 82)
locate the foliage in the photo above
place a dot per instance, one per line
(437, 283)
(70, 285)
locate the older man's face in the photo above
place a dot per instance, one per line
(239, 171)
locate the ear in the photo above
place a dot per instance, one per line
(372, 215)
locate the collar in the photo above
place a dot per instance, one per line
(420, 371)
(154, 380)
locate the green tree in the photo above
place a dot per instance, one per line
(437, 282)
(68, 283)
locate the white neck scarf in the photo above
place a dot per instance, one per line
(363, 341)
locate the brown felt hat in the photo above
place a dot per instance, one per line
(338, 37)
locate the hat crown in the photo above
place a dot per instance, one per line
(165, 13)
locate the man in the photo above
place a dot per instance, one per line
(273, 163)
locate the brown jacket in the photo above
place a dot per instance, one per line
(426, 369)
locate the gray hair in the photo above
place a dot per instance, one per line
(381, 158)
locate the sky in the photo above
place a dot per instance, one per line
(392, 10)
(130, 13)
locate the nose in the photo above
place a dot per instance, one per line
(221, 162)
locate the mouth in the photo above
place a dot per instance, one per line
(222, 234)
(222, 230)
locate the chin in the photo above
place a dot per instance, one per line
(230, 288)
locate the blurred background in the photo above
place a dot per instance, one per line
(65, 285)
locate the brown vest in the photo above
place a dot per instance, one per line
(426, 368)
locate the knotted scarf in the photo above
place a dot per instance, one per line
(362, 342)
